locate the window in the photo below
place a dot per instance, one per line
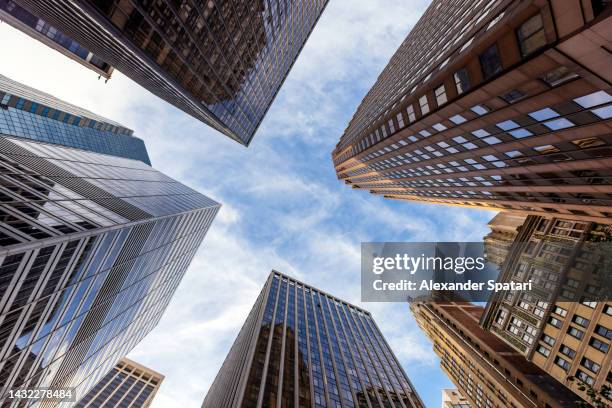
(391, 126)
(424, 105)
(513, 96)
(603, 331)
(574, 332)
(599, 345)
(441, 95)
(548, 340)
(543, 350)
(560, 311)
(490, 62)
(585, 378)
(544, 114)
(558, 124)
(608, 310)
(558, 76)
(563, 363)
(457, 119)
(531, 35)
(411, 115)
(479, 109)
(590, 364)
(400, 120)
(555, 322)
(462, 80)
(594, 99)
(567, 351)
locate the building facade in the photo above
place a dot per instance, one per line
(495, 104)
(302, 347)
(92, 248)
(40, 30)
(451, 398)
(564, 324)
(485, 370)
(504, 229)
(28, 113)
(222, 62)
(127, 385)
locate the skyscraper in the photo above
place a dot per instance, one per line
(39, 29)
(453, 399)
(28, 113)
(222, 62)
(493, 104)
(127, 385)
(92, 248)
(487, 372)
(302, 347)
(563, 325)
(504, 229)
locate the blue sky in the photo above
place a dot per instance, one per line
(283, 207)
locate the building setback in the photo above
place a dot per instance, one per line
(28, 113)
(493, 104)
(486, 371)
(127, 385)
(453, 399)
(563, 325)
(302, 347)
(222, 62)
(40, 30)
(92, 248)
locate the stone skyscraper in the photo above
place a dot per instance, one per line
(503, 105)
(302, 347)
(222, 62)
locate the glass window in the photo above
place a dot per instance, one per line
(558, 124)
(603, 113)
(411, 115)
(512, 96)
(507, 125)
(462, 80)
(490, 62)
(594, 99)
(558, 76)
(457, 119)
(424, 105)
(531, 35)
(544, 114)
(441, 98)
(479, 109)
(400, 120)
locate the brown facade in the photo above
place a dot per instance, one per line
(509, 111)
(486, 371)
(563, 325)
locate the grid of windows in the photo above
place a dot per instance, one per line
(452, 153)
(222, 62)
(343, 358)
(105, 263)
(127, 385)
(28, 113)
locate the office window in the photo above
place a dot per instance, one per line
(512, 96)
(424, 105)
(558, 76)
(574, 332)
(531, 36)
(567, 351)
(603, 331)
(555, 322)
(543, 350)
(441, 95)
(490, 62)
(560, 311)
(590, 364)
(411, 115)
(599, 345)
(400, 120)
(548, 340)
(584, 377)
(563, 363)
(462, 80)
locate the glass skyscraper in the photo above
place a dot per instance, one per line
(222, 62)
(32, 114)
(301, 347)
(127, 385)
(39, 29)
(92, 248)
